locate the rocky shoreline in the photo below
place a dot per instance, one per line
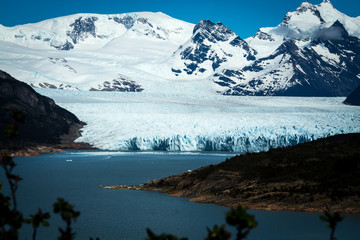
(66, 142)
(38, 150)
(347, 206)
(318, 176)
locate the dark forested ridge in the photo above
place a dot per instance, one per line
(45, 122)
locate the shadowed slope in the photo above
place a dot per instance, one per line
(45, 122)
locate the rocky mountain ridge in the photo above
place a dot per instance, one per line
(45, 123)
(313, 52)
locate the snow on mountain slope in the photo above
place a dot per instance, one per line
(314, 51)
(196, 122)
(96, 49)
(311, 53)
(212, 46)
(95, 30)
(302, 24)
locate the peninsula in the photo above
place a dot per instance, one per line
(313, 177)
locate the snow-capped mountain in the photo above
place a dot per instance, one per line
(91, 51)
(211, 46)
(314, 51)
(323, 67)
(95, 31)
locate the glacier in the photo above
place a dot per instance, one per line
(188, 119)
(172, 107)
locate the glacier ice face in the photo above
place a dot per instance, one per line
(202, 122)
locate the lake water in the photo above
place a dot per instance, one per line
(122, 214)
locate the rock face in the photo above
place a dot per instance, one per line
(45, 122)
(354, 97)
(308, 177)
(121, 84)
(211, 45)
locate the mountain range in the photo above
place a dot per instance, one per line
(314, 51)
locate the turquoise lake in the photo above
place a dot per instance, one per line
(123, 214)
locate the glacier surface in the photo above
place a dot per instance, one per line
(193, 120)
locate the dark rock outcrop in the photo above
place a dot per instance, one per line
(204, 46)
(354, 97)
(121, 84)
(82, 28)
(45, 122)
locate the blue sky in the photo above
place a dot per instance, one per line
(243, 17)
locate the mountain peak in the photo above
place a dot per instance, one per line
(212, 31)
(308, 18)
(326, 3)
(304, 15)
(306, 3)
(211, 27)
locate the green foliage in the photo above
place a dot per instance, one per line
(11, 130)
(332, 219)
(68, 214)
(38, 219)
(243, 221)
(10, 219)
(218, 233)
(237, 217)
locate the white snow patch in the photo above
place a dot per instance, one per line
(300, 68)
(325, 54)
